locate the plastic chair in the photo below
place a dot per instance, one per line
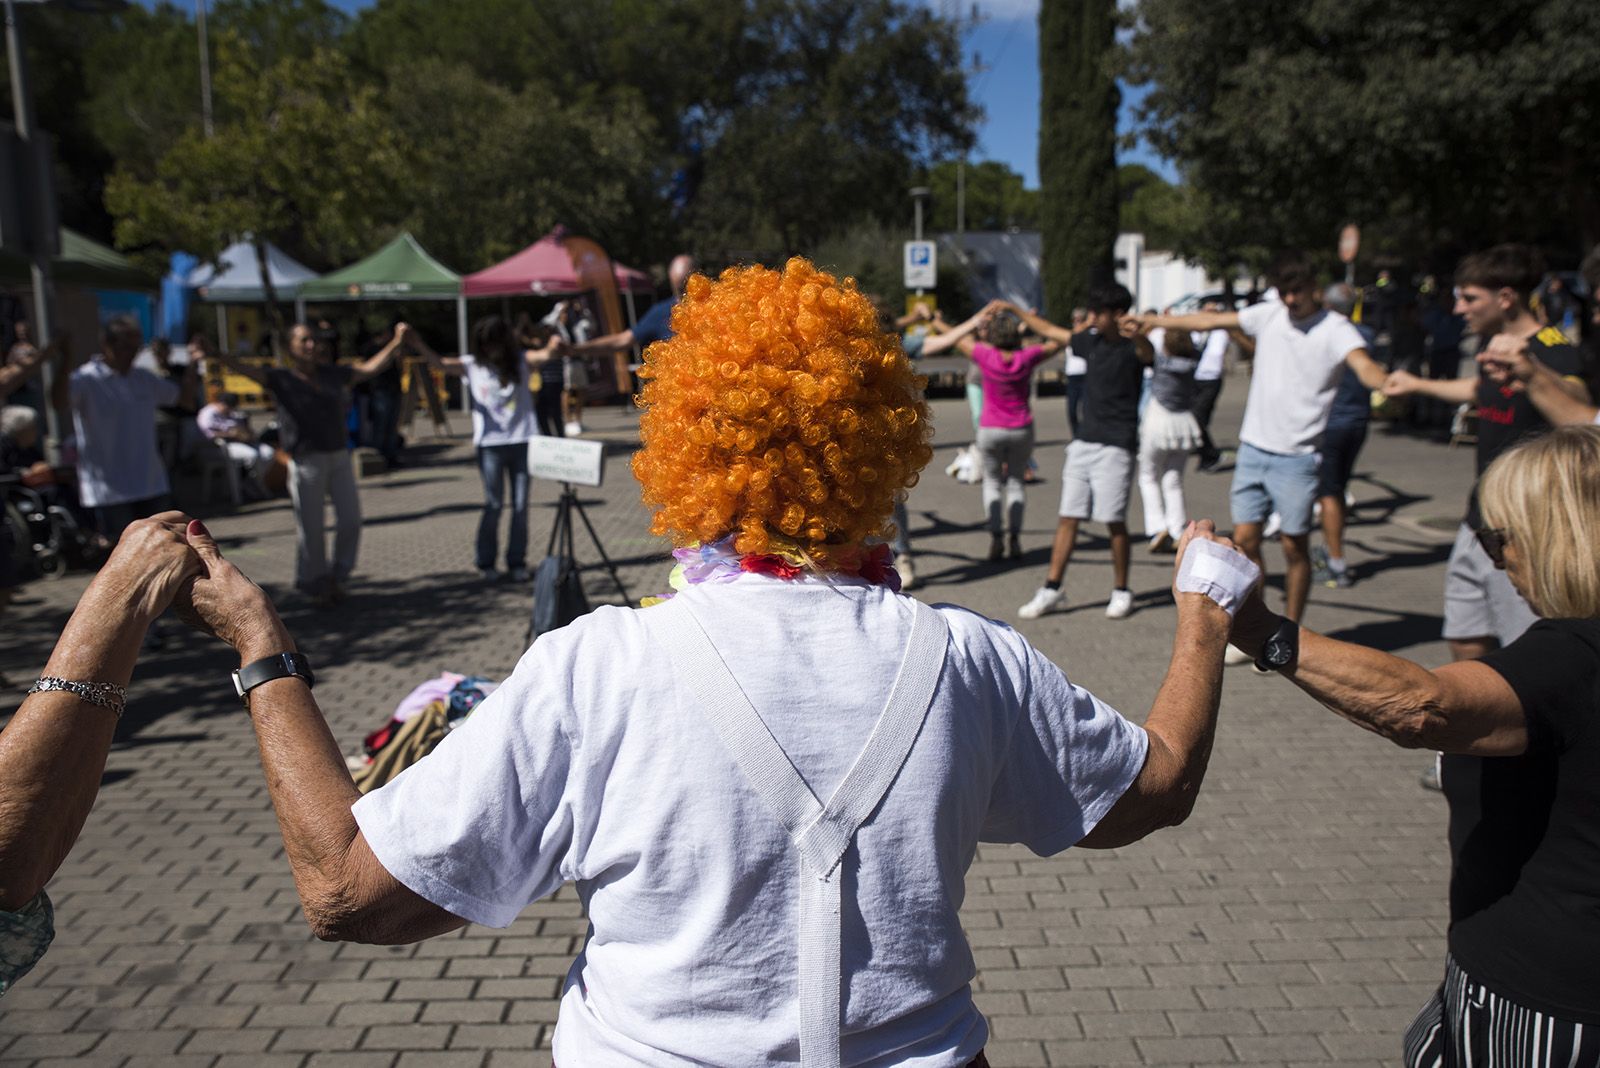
(214, 459)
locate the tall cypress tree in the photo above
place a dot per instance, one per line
(1077, 148)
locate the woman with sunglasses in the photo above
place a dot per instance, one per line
(1521, 771)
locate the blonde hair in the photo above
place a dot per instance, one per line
(778, 408)
(1546, 494)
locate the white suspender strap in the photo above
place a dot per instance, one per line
(821, 834)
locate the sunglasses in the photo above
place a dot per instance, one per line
(1493, 540)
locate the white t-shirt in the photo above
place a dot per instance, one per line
(114, 418)
(1298, 365)
(591, 764)
(502, 414)
(1076, 365)
(1212, 356)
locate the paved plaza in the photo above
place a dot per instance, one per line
(1297, 918)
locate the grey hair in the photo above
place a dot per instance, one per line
(17, 417)
(1340, 297)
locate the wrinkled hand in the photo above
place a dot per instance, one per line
(1506, 359)
(149, 565)
(1400, 384)
(223, 602)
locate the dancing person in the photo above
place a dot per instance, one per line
(1301, 352)
(1208, 387)
(570, 321)
(1098, 474)
(1508, 360)
(384, 396)
(1521, 771)
(1005, 426)
(312, 400)
(1168, 433)
(1342, 439)
(503, 422)
(547, 398)
(654, 325)
(785, 652)
(1076, 371)
(53, 751)
(1482, 610)
(113, 407)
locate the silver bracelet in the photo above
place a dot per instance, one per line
(105, 694)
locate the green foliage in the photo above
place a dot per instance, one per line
(1077, 147)
(995, 198)
(872, 255)
(1437, 126)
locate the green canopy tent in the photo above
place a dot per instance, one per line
(82, 262)
(400, 270)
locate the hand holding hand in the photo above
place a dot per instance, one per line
(149, 565)
(223, 602)
(1507, 359)
(1220, 575)
(1130, 326)
(403, 333)
(1400, 384)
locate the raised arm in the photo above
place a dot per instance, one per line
(451, 365)
(1466, 707)
(1193, 321)
(258, 375)
(346, 893)
(552, 348)
(603, 345)
(1182, 722)
(375, 363)
(959, 336)
(13, 375)
(53, 752)
(1563, 401)
(1038, 323)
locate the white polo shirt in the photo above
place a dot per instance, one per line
(114, 417)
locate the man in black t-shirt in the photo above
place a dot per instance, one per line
(1098, 474)
(1482, 611)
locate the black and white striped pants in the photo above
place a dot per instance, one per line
(1467, 1026)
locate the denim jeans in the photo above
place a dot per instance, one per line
(497, 464)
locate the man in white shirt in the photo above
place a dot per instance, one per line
(1302, 350)
(113, 407)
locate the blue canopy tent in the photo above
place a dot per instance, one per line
(235, 278)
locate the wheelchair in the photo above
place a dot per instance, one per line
(47, 538)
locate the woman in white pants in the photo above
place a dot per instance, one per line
(1168, 433)
(312, 399)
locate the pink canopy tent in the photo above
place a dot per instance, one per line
(547, 269)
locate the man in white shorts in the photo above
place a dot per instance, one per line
(1098, 474)
(1302, 350)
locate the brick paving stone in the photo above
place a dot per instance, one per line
(1306, 891)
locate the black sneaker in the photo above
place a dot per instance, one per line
(997, 548)
(1014, 547)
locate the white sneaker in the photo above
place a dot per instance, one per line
(1274, 524)
(1121, 604)
(907, 570)
(1235, 656)
(574, 428)
(1044, 600)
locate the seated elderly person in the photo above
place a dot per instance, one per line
(770, 813)
(221, 421)
(53, 751)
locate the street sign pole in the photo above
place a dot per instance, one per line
(38, 250)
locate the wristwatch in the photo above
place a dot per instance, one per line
(1280, 651)
(277, 666)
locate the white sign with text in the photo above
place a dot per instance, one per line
(567, 460)
(922, 265)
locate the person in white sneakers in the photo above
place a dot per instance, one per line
(1098, 474)
(1302, 350)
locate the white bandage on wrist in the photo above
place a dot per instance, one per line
(1225, 575)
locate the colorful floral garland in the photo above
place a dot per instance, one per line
(721, 562)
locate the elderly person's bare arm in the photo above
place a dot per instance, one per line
(53, 751)
(1182, 721)
(346, 893)
(1465, 707)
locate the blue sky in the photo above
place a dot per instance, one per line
(1007, 44)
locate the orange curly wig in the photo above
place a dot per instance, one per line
(780, 407)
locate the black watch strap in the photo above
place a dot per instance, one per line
(277, 666)
(1282, 649)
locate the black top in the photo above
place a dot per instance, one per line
(1507, 416)
(311, 415)
(1525, 832)
(1111, 389)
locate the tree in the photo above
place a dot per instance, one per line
(995, 197)
(1077, 147)
(301, 157)
(1444, 125)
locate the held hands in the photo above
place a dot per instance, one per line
(222, 601)
(1211, 571)
(148, 567)
(1400, 384)
(1506, 360)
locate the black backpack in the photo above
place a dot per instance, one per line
(557, 595)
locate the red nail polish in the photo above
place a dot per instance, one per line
(197, 527)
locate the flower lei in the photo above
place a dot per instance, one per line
(721, 562)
